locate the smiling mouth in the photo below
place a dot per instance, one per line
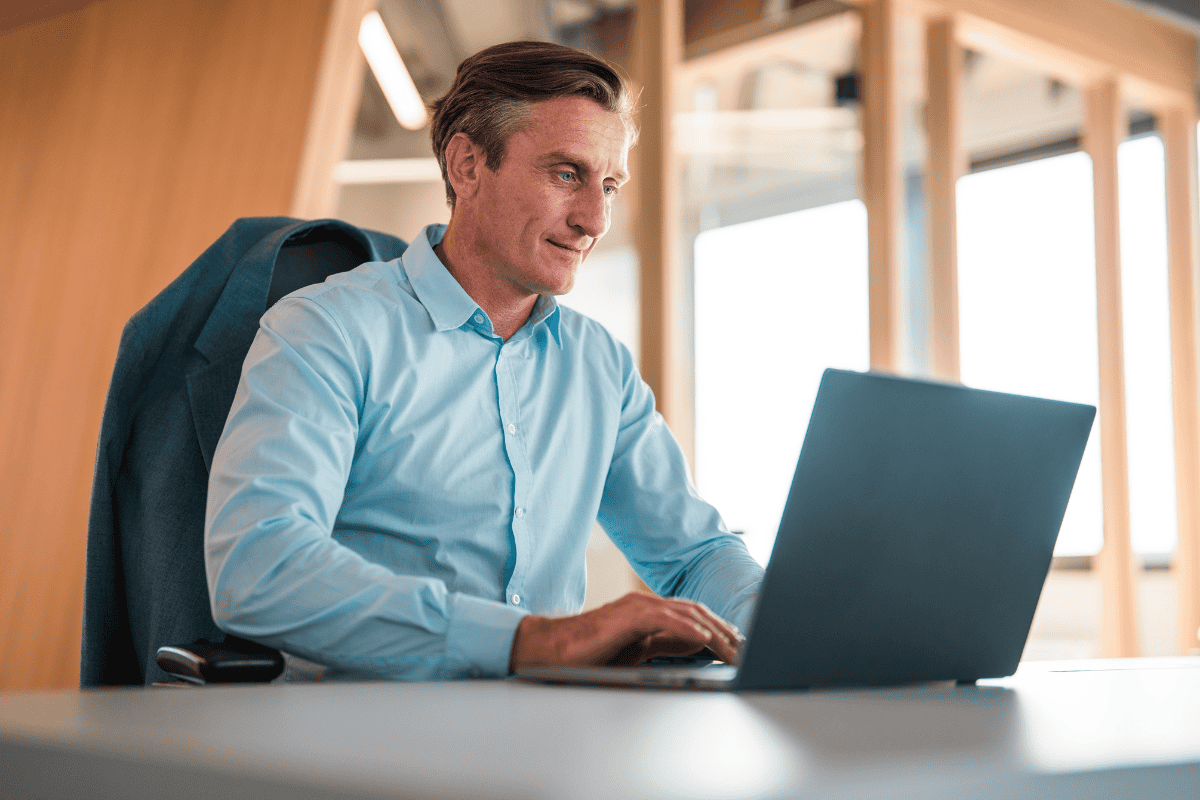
(565, 247)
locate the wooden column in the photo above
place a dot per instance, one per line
(334, 107)
(1103, 131)
(947, 162)
(132, 133)
(658, 45)
(1178, 127)
(883, 191)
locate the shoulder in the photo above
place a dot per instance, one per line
(355, 300)
(597, 351)
(581, 332)
(356, 314)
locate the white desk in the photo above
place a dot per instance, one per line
(1129, 732)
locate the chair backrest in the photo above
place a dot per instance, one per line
(176, 374)
(310, 257)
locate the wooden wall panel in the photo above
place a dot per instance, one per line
(132, 132)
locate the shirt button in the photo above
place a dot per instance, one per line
(479, 319)
(516, 599)
(512, 428)
(520, 513)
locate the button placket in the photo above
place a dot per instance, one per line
(508, 396)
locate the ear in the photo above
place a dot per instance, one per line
(464, 161)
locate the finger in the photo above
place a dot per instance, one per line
(670, 646)
(726, 639)
(726, 627)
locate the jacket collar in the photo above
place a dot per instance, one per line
(234, 319)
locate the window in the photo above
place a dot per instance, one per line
(1027, 302)
(777, 300)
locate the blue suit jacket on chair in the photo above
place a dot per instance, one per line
(178, 366)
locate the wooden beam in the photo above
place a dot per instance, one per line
(1085, 41)
(658, 37)
(882, 184)
(1178, 127)
(947, 162)
(769, 43)
(1104, 128)
(331, 120)
(1079, 41)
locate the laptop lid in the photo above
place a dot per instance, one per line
(916, 536)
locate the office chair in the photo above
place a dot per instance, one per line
(177, 369)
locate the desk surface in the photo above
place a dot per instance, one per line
(1131, 730)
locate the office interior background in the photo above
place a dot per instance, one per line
(1001, 192)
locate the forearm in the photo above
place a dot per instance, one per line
(676, 542)
(727, 579)
(326, 603)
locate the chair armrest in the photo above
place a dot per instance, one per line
(235, 660)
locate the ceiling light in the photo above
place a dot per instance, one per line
(393, 77)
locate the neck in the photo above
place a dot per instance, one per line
(508, 306)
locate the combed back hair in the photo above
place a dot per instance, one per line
(494, 89)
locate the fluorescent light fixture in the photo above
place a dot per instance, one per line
(393, 77)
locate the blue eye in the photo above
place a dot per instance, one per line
(566, 175)
(610, 190)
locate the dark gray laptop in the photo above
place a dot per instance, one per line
(913, 546)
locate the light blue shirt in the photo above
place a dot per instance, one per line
(396, 487)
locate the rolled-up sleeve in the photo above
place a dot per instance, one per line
(275, 572)
(677, 543)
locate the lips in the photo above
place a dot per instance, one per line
(566, 247)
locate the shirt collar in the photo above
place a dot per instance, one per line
(448, 304)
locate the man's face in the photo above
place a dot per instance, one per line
(542, 211)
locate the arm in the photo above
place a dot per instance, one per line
(275, 573)
(677, 543)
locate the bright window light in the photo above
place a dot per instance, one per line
(389, 69)
(1027, 294)
(1027, 303)
(777, 300)
(1146, 322)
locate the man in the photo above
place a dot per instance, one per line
(418, 450)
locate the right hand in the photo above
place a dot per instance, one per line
(624, 632)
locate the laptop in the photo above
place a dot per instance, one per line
(913, 546)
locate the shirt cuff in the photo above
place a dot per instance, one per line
(479, 639)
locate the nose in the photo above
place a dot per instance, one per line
(589, 212)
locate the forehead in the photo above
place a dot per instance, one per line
(578, 127)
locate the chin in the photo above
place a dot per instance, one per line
(557, 290)
(559, 281)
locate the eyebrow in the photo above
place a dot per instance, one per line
(559, 157)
